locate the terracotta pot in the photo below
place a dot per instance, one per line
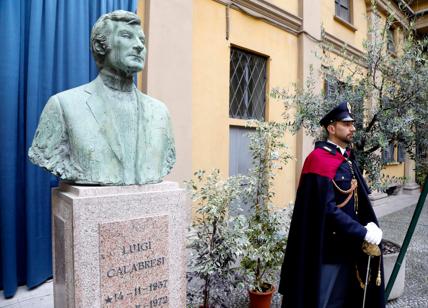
(261, 299)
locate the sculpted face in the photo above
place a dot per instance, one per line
(127, 50)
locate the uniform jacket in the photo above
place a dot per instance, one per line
(320, 232)
(77, 140)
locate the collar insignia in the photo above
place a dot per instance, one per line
(327, 148)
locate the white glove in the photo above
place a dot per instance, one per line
(374, 233)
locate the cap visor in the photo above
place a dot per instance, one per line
(347, 119)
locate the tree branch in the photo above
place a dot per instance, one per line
(372, 122)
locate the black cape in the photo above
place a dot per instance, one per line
(300, 274)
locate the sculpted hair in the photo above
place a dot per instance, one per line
(103, 28)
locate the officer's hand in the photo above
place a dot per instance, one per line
(371, 225)
(374, 234)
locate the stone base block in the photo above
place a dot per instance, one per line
(378, 198)
(411, 189)
(120, 246)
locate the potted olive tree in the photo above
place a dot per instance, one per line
(214, 240)
(265, 231)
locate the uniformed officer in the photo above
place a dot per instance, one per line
(324, 263)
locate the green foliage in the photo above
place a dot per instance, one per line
(421, 171)
(266, 229)
(421, 157)
(215, 239)
(387, 90)
(389, 184)
(218, 241)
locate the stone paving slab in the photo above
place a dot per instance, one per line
(40, 297)
(395, 203)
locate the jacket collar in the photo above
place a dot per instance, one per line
(332, 149)
(326, 146)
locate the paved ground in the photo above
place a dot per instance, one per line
(40, 297)
(394, 226)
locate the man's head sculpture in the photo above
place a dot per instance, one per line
(121, 30)
(107, 132)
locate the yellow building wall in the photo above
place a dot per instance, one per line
(337, 29)
(395, 169)
(210, 71)
(291, 6)
(211, 56)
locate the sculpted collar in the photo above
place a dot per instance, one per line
(117, 82)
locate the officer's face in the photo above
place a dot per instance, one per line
(343, 131)
(127, 53)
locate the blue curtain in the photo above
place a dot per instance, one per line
(45, 50)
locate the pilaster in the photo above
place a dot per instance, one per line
(309, 38)
(168, 73)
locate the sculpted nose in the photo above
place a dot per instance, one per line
(139, 48)
(138, 45)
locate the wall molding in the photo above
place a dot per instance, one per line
(268, 12)
(387, 7)
(293, 24)
(339, 45)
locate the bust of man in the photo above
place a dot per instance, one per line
(107, 131)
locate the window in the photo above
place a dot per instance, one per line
(240, 162)
(394, 153)
(247, 85)
(343, 9)
(239, 150)
(401, 153)
(390, 43)
(333, 87)
(388, 154)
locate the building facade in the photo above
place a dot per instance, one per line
(214, 62)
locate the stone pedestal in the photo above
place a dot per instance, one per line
(120, 246)
(411, 189)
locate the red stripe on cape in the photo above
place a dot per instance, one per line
(323, 163)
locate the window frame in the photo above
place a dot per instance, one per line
(401, 153)
(341, 86)
(388, 154)
(349, 20)
(391, 41)
(265, 83)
